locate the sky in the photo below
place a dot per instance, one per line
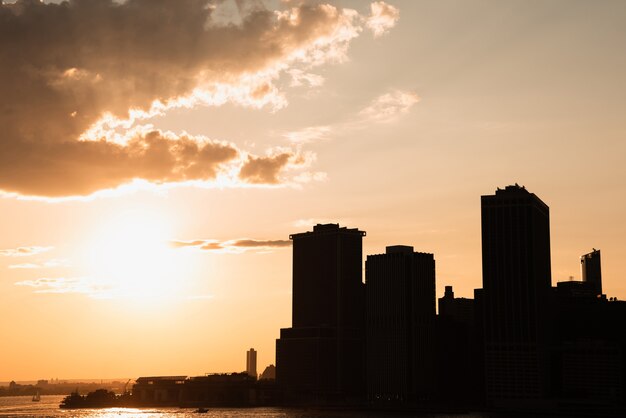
(156, 155)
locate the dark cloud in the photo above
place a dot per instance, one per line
(264, 170)
(65, 66)
(183, 244)
(236, 245)
(83, 167)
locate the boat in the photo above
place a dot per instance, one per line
(202, 410)
(36, 397)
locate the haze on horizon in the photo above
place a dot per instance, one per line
(156, 155)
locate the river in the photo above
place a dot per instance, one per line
(23, 406)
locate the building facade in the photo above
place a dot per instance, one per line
(251, 362)
(400, 326)
(321, 357)
(591, 269)
(516, 286)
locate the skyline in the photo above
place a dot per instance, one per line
(425, 112)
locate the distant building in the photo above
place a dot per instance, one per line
(159, 390)
(590, 265)
(400, 325)
(459, 379)
(517, 288)
(589, 359)
(321, 357)
(251, 362)
(459, 309)
(221, 390)
(269, 373)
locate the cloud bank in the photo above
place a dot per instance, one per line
(78, 76)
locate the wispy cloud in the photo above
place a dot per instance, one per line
(390, 106)
(386, 108)
(84, 286)
(24, 251)
(235, 246)
(309, 134)
(301, 78)
(40, 265)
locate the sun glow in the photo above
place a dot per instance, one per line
(129, 257)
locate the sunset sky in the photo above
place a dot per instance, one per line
(155, 155)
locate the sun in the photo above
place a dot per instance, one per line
(129, 256)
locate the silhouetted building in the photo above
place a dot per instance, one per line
(400, 325)
(269, 373)
(159, 390)
(589, 360)
(591, 270)
(220, 390)
(458, 354)
(251, 362)
(321, 358)
(459, 309)
(517, 288)
(575, 289)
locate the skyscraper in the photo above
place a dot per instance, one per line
(251, 362)
(321, 356)
(591, 270)
(400, 325)
(516, 283)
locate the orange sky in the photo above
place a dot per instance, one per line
(154, 161)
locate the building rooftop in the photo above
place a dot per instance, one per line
(323, 229)
(513, 192)
(392, 249)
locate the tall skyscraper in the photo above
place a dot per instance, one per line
(321, 357)
(591, 270)
(251, 362)
(516, 285)
(400, 325)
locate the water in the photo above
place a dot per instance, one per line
(23, 406)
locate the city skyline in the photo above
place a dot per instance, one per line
(394, 117)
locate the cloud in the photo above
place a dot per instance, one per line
(235, 246)
(83, 167)
(24, 251)
(266, 169)
(85, 72)
(309, 134)
(300, 78)
(262, 170)
(62, 285)
(386, 108)
(389, 106)
(251, 243)
(40, 265)
(383, 17)
(183, 244)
